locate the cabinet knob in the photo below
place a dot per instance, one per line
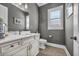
(12, 45)
(74, 38)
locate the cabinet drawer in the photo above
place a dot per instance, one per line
(6, 48)
(22, 50)
(27, 40)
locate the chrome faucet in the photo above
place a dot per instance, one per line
(20, 32)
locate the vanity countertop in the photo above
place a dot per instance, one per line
(14, 37)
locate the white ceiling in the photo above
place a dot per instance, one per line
(41, 4)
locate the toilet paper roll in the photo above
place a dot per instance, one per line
(50, 35)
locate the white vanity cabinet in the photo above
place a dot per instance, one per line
(33, 45)
(26, 46)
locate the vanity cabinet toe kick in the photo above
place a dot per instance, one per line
(28, 46)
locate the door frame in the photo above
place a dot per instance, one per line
(75, 30)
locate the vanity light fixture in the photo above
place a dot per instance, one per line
(26, 6)
(19, 3)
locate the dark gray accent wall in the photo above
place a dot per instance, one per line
(14, 12)
(33, 13)
(69, 32)
(58, 36)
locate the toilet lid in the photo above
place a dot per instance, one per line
(43, 40)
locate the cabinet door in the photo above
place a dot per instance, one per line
(34, 47)
(22, 52)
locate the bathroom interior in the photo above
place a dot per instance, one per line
(36, 29)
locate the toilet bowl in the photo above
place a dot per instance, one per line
(42, 43)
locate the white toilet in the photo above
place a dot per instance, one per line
(42, 43)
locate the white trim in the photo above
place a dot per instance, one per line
(59, 46)
(23, 9)
(18, 6)
(67, 52)
(41, 4)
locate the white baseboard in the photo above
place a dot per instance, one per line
(59, 46)
(67, 52)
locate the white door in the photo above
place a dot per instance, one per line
(76, 30)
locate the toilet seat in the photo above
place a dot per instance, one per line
(42, 43)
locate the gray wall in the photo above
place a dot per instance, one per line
(69, 33)
(58, 36)
(14, 12)
(33, 13)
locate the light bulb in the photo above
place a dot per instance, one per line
(20, 3)
(26, 6)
